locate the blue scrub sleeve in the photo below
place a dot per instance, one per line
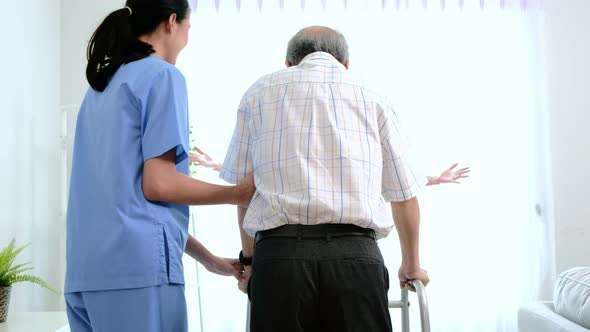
(165, 125)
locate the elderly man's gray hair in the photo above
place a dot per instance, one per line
(315, 39)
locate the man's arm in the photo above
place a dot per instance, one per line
(406, 216)
(247, 249)
(162, 183)
(247, 240)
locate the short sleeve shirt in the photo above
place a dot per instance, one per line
(323, 149)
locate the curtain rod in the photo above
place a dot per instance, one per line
(397, 4)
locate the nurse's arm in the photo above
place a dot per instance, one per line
(214, 264)
(163, 183)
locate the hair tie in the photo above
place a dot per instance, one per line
(129, 8)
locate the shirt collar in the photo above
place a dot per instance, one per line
(318, 57)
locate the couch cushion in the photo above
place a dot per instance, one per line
(541, 317)
(571, 295)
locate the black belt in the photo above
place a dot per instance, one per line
(321, 231)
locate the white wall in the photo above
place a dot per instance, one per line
(43, 63)
(29, 132)
(567, 24)
(79, 20)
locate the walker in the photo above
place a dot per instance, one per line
(404, 304)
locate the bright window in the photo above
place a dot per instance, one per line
(465, 86)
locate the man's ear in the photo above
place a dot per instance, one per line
(346, 63)
(288, 64)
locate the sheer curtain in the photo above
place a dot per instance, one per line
(464, 77)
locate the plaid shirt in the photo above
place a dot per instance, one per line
(322, 147)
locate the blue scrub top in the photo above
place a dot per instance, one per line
(116, 238)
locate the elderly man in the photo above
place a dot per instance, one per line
(326, 154)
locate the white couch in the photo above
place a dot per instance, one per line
(569, 311)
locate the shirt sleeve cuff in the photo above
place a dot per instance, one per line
(402, 195)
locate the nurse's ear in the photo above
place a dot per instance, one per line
(171, 23)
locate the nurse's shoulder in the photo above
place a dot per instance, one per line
(149, 71)
(149, 76)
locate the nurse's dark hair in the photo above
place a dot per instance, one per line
(116, 40)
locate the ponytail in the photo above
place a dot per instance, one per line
(116, 41)
(112, 45)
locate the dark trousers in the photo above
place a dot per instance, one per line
(318, 278)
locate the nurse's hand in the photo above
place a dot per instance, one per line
(244, 279)
(224, 266)
(245, 190)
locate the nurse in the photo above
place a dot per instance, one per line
(127, 213)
